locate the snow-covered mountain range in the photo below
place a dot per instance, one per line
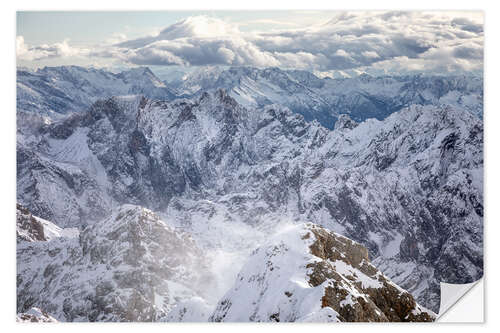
(361, 97)
(55, 91)
(134, 267)
(231, 170)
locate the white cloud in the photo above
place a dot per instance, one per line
(370, 54)
(198, 52)
(116, 38)
(356, 42)
(342, 53)
(44, 51)
(299, 60)
(21, 47)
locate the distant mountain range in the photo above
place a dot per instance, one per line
(55, 91)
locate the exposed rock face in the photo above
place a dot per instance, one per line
(408, 249)
(62, 190)
(307, 273)
(408, 188)
(35, 315)
(27, 227)
(395, 304)
(345, 122)
(128, 267)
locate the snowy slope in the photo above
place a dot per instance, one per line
(306, 273)
(56, 91)
(132, 266)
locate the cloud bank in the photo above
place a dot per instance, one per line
(44, 51)
(373, 41)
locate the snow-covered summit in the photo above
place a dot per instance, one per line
(307, 273)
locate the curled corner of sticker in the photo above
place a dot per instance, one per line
(457, 306)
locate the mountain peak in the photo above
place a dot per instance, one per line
(305, 273)
(345, 122)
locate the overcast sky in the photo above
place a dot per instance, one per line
(325, 42)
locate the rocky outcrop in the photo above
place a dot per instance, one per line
(35, 315)
(344, 122)
(307, 273)
(386, 297)
(27, 227)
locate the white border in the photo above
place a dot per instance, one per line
(7, 132)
